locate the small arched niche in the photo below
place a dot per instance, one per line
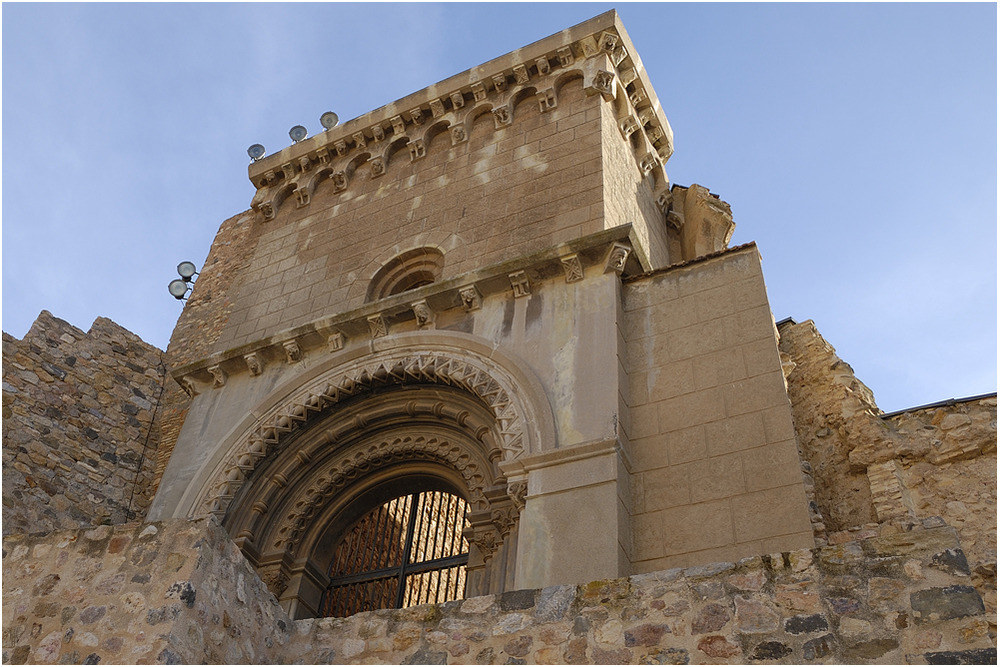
(409, 270)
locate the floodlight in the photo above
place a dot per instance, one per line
(178, 288)
(185, 270)
(298, 133)
(329, 120)
(256, 152)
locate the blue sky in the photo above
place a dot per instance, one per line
(856, 144)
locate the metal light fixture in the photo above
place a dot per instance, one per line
(298, 133)
(329, 120)
(256, 152)
(179, 287)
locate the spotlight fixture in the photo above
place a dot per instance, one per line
(298, 133)
(179, 287)
(329, 120)
(255, 152)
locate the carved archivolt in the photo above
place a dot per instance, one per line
(479, 377)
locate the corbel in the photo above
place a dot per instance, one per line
(323, 156)
(189, 386)
(417, 116)
(377, 165)
(546, 100)
(618, 55)
(521, 74)
(423, 313)
(501, 117)
(339, 179)
(301, 196)
(565, 56)
(305, 164)
(572, 267)
(617, 255)
(608, 41)
(377, 326)
(457, 134)
(637, 96)
(628, 126)
(359, 139)
(437, 108)
(292, 351)
(378, 133)
(646, 116)
(479, 91)
(649, 162)
(267, 210)
(398, 126)
(589, 46)
(335, 342)
(500, 82)
(663, 201)
(519, 283)
(457, 100)
(288, 169)
(471, 298)
(542, 65)
(604, 83)
(253, 364)
(341, 147)
(219, 376)
(628, 75)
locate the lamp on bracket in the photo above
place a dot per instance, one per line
(179, 287)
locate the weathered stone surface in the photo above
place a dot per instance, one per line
(945, 603)
(711, 618)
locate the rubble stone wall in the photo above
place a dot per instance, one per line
(180, 591)
(80, 425)
(868, 470)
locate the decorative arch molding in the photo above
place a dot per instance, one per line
(511, 394)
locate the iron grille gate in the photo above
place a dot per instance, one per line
(407, 551)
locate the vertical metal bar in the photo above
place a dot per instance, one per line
(406, 550)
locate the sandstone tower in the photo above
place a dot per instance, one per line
(474, 345)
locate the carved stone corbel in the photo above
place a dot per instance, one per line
(521, 75)
(628, 126)
(479, 91)
(617, 256)
(335, 342)
(542, 64)
(377, 326)
(266, 210)
(604, 83)
(417, 149)
(565, 56)
(292, 351)
(398, 126)
(377, 165)
(417, 116)
(518, 492)
(519, 283)
(457, 134)
(341, 147)
(423, 313)
(187, 383)
(501, 117)
(500, 82)
(301, 196)
(359, 140)
(649, 162)
(471, 298)
(546, 100)
(573, 268)
(339, 179)
(437, 108)
(219, 376)
(253, 364)
(608, 41)
(305, 164)
(457, 100)
(627, 76)
(589, 46)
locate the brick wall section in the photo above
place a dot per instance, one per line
(500, 194)
(868, 470)
(79, 443)
(181, 592)
(716, 474)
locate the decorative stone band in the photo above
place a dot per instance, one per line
(608, 249)
(484, 379)
(599, 50)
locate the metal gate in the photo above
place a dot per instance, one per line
(407, 551)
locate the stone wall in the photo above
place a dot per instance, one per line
(868, 469)
(169, 593)
(715, 473)
(80, 428)
(181, 592)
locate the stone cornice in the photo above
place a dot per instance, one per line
(609, 251)
(598, 49)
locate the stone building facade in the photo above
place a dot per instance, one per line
(490, 291)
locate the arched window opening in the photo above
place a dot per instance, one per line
(410, 270)
(406, 551)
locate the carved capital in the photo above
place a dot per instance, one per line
(518, 492)
(219, 376)
(292, 351)
(423, 313)
(274, 578)
(254, 364)
(617, 256)
(471, 298)
(377, 326)
(519, 283)
(504, 519)
(572, 267)
(486, 541)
